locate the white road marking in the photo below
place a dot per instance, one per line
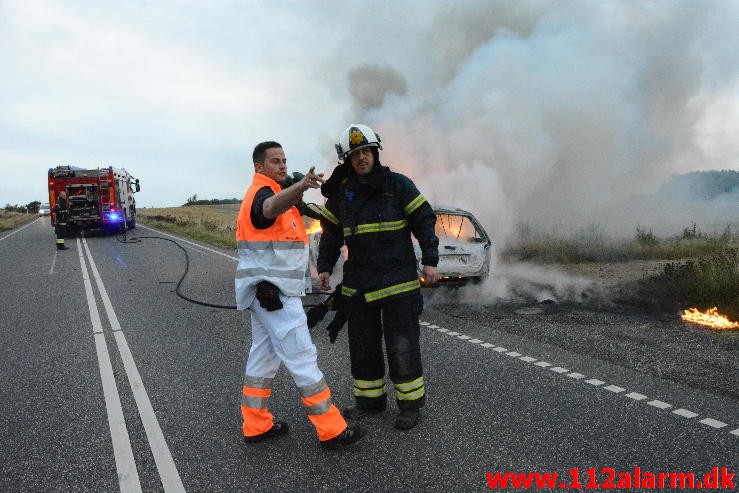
(20, 229)
(53, 262)
(685, 413)
(636, 396)
(659, 404)
(713, 423)
(162, 457)
(592, 381)
(615, 389)
(128, 476)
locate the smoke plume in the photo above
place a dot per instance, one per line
(559, 114)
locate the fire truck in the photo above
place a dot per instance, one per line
(98, 199)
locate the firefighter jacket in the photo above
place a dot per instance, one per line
(375, 220)
(61, 212)
(278, 254)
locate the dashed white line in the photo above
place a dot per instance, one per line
(636, 396)
(713, 423)
(614, 388)
(685, 413)
(659, 404)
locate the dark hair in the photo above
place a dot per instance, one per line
(260, 151)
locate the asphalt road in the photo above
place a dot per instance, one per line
(112, 382)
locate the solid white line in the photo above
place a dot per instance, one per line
(128, 476)
(162, 456)
(19, 229)
(182, 240)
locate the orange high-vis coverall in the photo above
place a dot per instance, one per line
(278, 254)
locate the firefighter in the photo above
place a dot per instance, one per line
(270, 279)
(61, 214)
(374, 211)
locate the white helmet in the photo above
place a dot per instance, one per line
(355, 137)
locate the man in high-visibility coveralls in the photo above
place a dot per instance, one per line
(270, 279)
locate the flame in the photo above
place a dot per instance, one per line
(711, 318)
(314, 227)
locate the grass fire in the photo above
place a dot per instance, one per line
(710, 318)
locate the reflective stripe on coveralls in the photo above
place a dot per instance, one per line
(278, 254)
(322, 413)
(410, 391)
(254, 399)
(369, 388)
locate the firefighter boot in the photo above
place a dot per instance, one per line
(358, 412)
(61, 246)
(279, 428)
(407, 419)
(352, 433)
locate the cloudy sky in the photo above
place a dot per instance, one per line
(521, 111)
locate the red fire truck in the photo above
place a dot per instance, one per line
(98, 199)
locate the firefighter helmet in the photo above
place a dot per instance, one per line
(356, 136)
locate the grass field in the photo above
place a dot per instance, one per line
(703, 269)
(10, 220)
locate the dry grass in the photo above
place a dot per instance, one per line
(10, 220)
(209, 223)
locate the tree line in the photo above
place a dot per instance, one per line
(30, 208)
(193, 200)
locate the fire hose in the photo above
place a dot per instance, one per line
(315, 314)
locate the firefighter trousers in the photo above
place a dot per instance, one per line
(61, 232)
(281, 336)
(395, 320)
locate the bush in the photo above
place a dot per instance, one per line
(708, 281)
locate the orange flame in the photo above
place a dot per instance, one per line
(314, 227)
(711, 318)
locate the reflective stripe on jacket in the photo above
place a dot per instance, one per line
(278, 254)
(375, 219)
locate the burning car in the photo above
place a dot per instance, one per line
(464, 248)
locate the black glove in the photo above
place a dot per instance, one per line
(268, 296)
(316, 314)
(336, 325)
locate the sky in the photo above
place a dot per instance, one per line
(552, 114)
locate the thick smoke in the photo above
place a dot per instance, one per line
(560, 115)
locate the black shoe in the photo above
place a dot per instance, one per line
(357, 412)
(62, 248)
(279, 428)
(407, 419)
(351, 434)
